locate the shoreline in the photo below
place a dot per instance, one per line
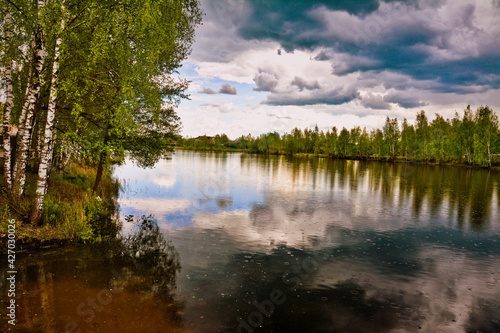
(27, 244)
(398, 160)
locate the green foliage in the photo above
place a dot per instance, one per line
(87, 217)
(70, 210)
(117, 91)
(391, 135)
(52, 210)
(473, 139)
(5, 216)
(117, 86)
(118, 80)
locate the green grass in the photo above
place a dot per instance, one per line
(71, 211)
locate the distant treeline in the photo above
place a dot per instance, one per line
(472, 139)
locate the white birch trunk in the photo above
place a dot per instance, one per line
(8, 105)
(22, 116)
(22, 154)
(47, 152)
(68, 157)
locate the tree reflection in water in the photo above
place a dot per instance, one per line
(126, 285)
(148, 255)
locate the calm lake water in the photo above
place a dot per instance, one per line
(247, 243)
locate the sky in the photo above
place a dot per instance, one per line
(260, 66)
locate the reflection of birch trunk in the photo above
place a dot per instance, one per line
(8, 104)
(22, 155)
(46, 296)
(47, 151)
(22, 280)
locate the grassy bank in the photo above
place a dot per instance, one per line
(71, 213)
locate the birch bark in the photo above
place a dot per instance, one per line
(22, 155)
(8, 104)
(47, 152)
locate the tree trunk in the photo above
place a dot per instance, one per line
(22, 156)
(47, 151)
(489, 155)
(65, 162)
(102, 160)
(100, 170)
(22, 117)
(8, 104)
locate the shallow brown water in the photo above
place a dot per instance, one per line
(276, 244)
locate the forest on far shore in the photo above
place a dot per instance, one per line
(473, 139)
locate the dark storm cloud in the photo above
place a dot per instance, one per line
(226, 88)
(375, 102)
(336, 96)
(405, 100)
(439, 41)
(322, 56)
(285, 21)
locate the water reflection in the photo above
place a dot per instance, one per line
(126, 285)
(280, 244)
(215, 183)
(410, 248)
(146, 255)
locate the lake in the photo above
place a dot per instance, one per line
(232, 242)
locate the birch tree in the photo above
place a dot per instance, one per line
(467, 129)
(125, 96)
(8, 100)
(486, 135)
(47, 151)
(111, 90)
(22, 153)
(391, 135)
(422, 133)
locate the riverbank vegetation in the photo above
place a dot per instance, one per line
(470, 139)
(71, 212)
(85, 83)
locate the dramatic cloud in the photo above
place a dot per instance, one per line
(376, 102)
(454, 43)
(227, 89)
(406, 100)
(335, 97)
(353, 61)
